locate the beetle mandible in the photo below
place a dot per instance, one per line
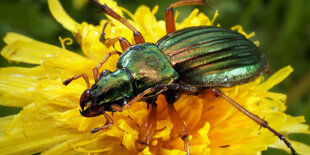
(184, 61)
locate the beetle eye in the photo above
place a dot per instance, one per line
(85, 95)
(103, 74)
(85, 99)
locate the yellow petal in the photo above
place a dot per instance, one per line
(240, 30)
(24, 49)
(61, 15)
(301, 148)
(146, 23)
(129, 142)
(276, 78)
(12, 37)
(18, 85)
(294, 125)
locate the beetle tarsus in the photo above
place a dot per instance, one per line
(186, 144)
(95, 130)
(281, 137)
(109, 42)
(108, 123)
(137, 35)
(255, 118)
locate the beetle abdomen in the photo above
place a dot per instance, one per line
(212, 56)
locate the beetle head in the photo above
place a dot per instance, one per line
(88, 109)
(112, 89)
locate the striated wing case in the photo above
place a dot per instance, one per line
(212, 56)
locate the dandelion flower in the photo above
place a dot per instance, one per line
(50, 122)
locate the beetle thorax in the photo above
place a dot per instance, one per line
(111, 88)
(148, 66)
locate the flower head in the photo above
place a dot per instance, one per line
(50, 121)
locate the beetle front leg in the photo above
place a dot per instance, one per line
(109, 42)
(137, 98)
(158, 88)
(96, 69)
(136, 34)
(108, 123)
(254, 117)
(169, 17)
(148, 128)
(161, 88)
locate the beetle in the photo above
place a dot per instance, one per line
(184, 61)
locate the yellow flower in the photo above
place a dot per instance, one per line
(50, 121)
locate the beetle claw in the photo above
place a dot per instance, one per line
(95, 130)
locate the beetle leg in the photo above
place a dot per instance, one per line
(171, 96)
(254, 117)
(148, 128)
(108, 123)
(169, 17)
(117, 108)
(66, 82)
(178, 125)
(95, 70)
(161, 88)
(267, 67)
(137, 35)
(109, 42)
(175, 118)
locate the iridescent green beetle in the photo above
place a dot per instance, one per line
(184, 61)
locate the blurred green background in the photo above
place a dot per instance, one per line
(281, 26)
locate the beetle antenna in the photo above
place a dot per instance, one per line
(66, 82)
